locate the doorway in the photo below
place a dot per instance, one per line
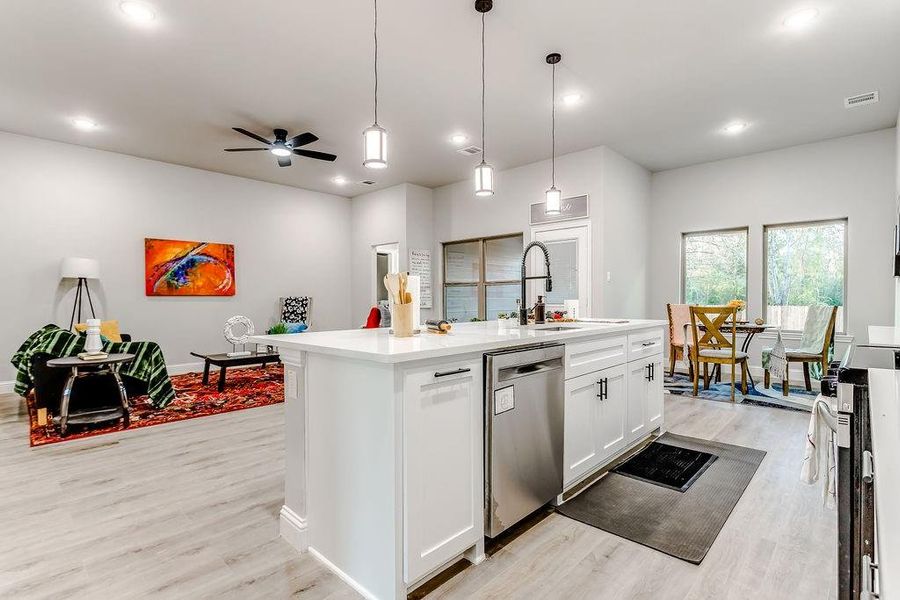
(570, 265)
(387, 260)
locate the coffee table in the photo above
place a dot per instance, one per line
(223, 361)
(108, 366)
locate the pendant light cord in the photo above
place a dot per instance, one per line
(482, 87)
(376, 61)
(553, 133)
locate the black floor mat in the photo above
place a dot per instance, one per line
(667, 466)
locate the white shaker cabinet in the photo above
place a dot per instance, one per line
(645, 396)
(595, 420)
(443, 472)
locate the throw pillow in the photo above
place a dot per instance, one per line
(295, 309)
(108, 329)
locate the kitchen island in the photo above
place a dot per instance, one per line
(384, 479)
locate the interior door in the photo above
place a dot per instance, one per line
(569, 266)
(611, 425)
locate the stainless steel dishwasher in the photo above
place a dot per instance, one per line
(524, 416)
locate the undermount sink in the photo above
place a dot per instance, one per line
(556, 328)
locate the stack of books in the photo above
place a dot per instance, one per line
(98, 356)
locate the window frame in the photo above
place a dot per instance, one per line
(746, 231)
(481, 285)
(839, 327)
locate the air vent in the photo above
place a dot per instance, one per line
(367, 182)
(861, 99)
(470, 150)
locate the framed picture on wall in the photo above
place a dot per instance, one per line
(188, 268)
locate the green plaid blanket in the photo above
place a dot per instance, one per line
(148, 365)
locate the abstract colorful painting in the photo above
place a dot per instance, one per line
(181, 268)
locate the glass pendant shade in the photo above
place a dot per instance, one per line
(375, 139)
(484, 180)
(554, 197)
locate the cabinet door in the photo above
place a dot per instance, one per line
(636, 421)
(610, 427)
(580, 451)
(655, 394)
(443, 464)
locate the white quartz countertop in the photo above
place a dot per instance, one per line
(380, 346)
(884, 400)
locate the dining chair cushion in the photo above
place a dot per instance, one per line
(723, 353)
(801, 354)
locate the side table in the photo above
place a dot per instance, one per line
(109, 367)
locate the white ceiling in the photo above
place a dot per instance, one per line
(660, 79)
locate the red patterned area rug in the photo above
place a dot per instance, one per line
(244, 388)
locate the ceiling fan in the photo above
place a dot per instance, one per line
(283, 147)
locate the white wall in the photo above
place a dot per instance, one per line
(849, 177)
(60, 200)
(401, 214)
(377, 218)
(619, 198)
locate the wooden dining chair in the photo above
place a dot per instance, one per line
(717, 344)
(809, 351)
(679, 316)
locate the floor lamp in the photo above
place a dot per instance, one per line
(81, 269)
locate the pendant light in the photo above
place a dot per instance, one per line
(554, 196)
(484, 173)
(375, 137)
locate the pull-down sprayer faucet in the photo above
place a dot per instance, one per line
(548, 285)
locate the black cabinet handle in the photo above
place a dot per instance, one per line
(604, 389)
(648, 344)
(600, 384)
(652, 371)
(447, 373)
(649, 376)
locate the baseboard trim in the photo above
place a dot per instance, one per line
(183, 368)
(293, 529)
(343, 576)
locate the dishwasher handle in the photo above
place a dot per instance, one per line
(543, 366)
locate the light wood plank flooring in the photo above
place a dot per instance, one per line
(189, 510)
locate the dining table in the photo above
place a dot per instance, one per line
(748, 329)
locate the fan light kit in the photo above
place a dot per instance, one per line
(137, 11)
(484, 173)
(554, 196)
(283, 148)
(375, 137)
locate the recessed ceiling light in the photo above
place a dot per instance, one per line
(339, 180)
(459, 138)
(571, 99)
(137, 11)
(801, 18)
(84, 123)
(736, 127)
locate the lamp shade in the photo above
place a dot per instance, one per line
(76, 268)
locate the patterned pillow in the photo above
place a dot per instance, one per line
(295, 309)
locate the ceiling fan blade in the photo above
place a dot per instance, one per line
(253, 135)
(316, 155)
(284, 161)
(302, 139)
(244, 149)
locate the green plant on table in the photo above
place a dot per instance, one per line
(277, 329)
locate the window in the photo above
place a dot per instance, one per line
(714, 266)
(481, 277)
(805, 264)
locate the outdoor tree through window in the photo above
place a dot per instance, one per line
(804, 266)
(714, 267)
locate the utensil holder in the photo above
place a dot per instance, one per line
(402, 319)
